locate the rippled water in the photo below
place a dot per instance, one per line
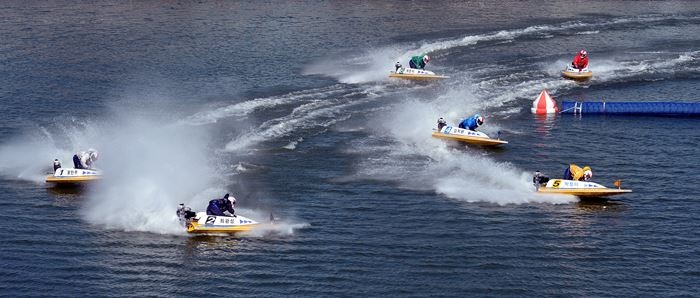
(288, 107)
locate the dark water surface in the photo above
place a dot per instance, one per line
(287, 105)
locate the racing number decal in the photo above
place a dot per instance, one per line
(210, 219)
(556, 183)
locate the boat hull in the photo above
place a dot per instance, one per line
(74, 176)
(415, 74)
(213, 224)
(580, 189)
(467, 136)
(574, 74)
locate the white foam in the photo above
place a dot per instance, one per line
(293, 144)
(246, 107)
(319, 113)
(30, 156)
(416, 161)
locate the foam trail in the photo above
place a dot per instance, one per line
(319, 113)
(152, 164)
(28, 159)
(278, 227)
(374, 64)
(30, 155)
(246, 107)
(371, 66)
(150, 168)
(464, 176)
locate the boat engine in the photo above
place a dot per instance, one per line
(56, 164)
(398, 65)
(539, 179)
(185, 214)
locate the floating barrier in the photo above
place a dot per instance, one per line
(632, 108)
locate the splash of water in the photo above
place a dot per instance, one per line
(416, 161)
(149, 168)
(29, 156)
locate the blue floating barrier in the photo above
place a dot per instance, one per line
(632, 108)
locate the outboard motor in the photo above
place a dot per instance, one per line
(398, 65)
(539, 179)
(184, 214)
(180, 212)
(56, 164)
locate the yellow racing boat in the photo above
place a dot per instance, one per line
(73, 176)
(576, 74)
(203, 224)
(581, 189)
(467, 136)
(415, 74)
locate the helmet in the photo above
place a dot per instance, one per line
(426, 58)
(233, 200)
(479, 120)
(587, 173)
(94, 155)
(583, 53)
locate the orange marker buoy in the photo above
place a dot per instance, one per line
(544, 104)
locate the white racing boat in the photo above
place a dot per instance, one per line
(72, 175)
(581, 189)
(415, 74)
(576, 74)
(202, 223)
(467, 136)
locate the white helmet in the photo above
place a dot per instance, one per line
(479, 120)
(426, 58)
(94, 155)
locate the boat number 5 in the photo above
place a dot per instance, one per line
(556, 183)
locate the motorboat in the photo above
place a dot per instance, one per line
(415, 74)
(201, 223)
(581, 189)
(467, 136)
(72, 175)
(576, 74)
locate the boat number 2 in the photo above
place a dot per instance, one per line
(556, 183)
(210, 219)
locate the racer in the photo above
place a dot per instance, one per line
(219, 206)
(574, 172)
(580, 60)
(85, 159)
(472, 122)
(418, 62)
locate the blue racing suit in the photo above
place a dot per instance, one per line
(469, 123)
(219, 206)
